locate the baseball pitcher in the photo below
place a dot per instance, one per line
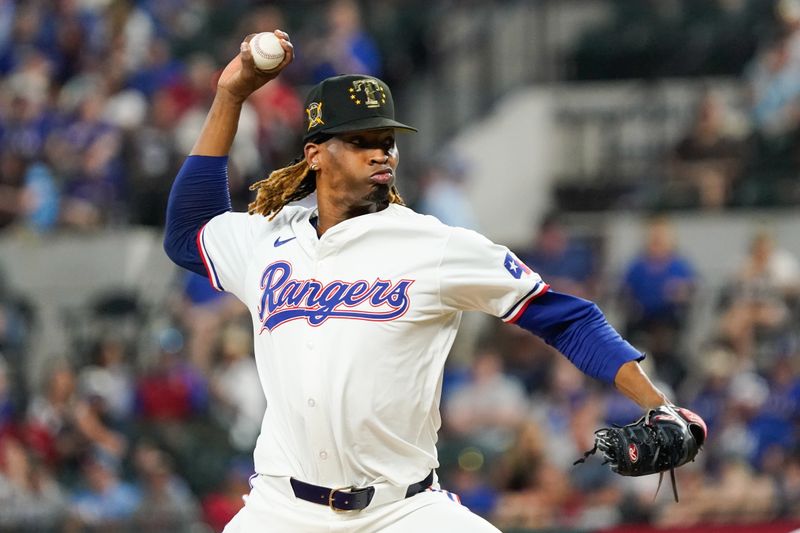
(355, 304)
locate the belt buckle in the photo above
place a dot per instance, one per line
(331, 502)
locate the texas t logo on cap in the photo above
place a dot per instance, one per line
(371, 90)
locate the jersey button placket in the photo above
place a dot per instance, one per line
(315, 390)
(316, 414)
(311, 384)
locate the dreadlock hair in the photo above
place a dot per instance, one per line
(290, 184)
(282, 186)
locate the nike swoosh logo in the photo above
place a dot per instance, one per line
(279, 242)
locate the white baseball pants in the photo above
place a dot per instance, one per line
(271, 507)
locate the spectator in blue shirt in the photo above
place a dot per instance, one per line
(566, 262)
(105, 499)
(346, 46)
(657, 292)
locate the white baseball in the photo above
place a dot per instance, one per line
(267, 50)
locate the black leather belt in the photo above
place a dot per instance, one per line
(347, 498)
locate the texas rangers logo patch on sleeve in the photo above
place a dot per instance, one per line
(515, 267)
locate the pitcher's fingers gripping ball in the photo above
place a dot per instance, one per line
(664, 439)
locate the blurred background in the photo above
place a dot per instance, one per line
(641, 153)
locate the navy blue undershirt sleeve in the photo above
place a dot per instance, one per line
(579, 330)
(198, 194)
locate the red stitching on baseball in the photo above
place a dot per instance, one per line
(265, 54)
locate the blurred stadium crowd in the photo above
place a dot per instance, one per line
(102, 99)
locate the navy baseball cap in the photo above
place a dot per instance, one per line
(351, 102)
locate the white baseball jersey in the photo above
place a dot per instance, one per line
(352, 330)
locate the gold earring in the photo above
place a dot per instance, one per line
(314, 166)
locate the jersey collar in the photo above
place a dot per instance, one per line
(338, 235)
